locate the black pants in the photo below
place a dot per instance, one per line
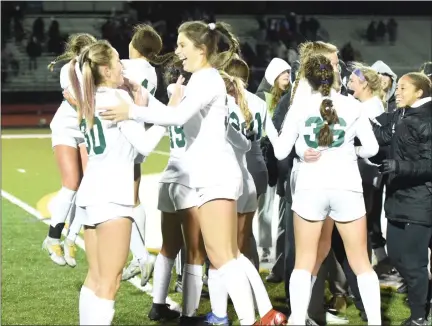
(279, 266)
(374, 218)
(407, 246)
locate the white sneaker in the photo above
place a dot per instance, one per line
(132, 270)
(335, 320)
(147, 268)
(70, 250)
(54, 250)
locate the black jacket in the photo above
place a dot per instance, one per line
(409, 189)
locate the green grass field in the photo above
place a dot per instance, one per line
(35, 290)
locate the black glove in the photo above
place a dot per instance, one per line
(389, 166)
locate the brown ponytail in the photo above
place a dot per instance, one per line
(235, 88)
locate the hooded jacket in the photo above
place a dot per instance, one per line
(409, 188)
(274, 69)
(381, 68)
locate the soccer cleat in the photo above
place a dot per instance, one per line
(212, 319)
(147, 268)
(335, 320)
(70, 250)
(162, 312)
(273, 317)
(132, 270)
(54, 250)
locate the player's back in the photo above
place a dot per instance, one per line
(337, 167)
(238, 123)
(109, 173)
(141, 72)
(258, 108)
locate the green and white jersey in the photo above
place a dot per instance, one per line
(239, 135)
(65, 120)
(112, 149)
(209, 157)
(261, 124)
(141, 72)
(337, 167)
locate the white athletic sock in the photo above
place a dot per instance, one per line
(60, 206)
(137, 246)
(161, 278)
(139, 216)
(179, 264)
(76, 225)
(239, 290)
(86, 298)
(218, 294)
(369, 288)
(192, 287)
(260, 293)
(299, 287)
(104, 312)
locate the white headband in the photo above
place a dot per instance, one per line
(212, 26)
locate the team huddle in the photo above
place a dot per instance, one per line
(110, 121)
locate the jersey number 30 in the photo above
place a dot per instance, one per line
(94, 139)
(316, 123)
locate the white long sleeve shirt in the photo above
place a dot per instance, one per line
(369, 171)
(238, 135)
(337, 167)
(141, 72)
(209, 157)
(112, 149)
(262, 123)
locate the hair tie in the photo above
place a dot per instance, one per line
(325, 122)
(326, 98)
(212, 26)
(323, 67)
(328, 108)
(325, 82)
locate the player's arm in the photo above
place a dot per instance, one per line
(367, 138)
(237, 139)
(382, 128)
(270, 128)
(145, 141)
(160, 114)
(283, 144)
(421, 168)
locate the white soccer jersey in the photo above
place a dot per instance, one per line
(238, 135)
(369, 171)
(337, 167)
(65, 120)
(112, 149)
(174, 170)
(142, 72)
(261, 123)
(202, 112)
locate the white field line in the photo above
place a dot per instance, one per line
(46, 136)
(136, 281)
